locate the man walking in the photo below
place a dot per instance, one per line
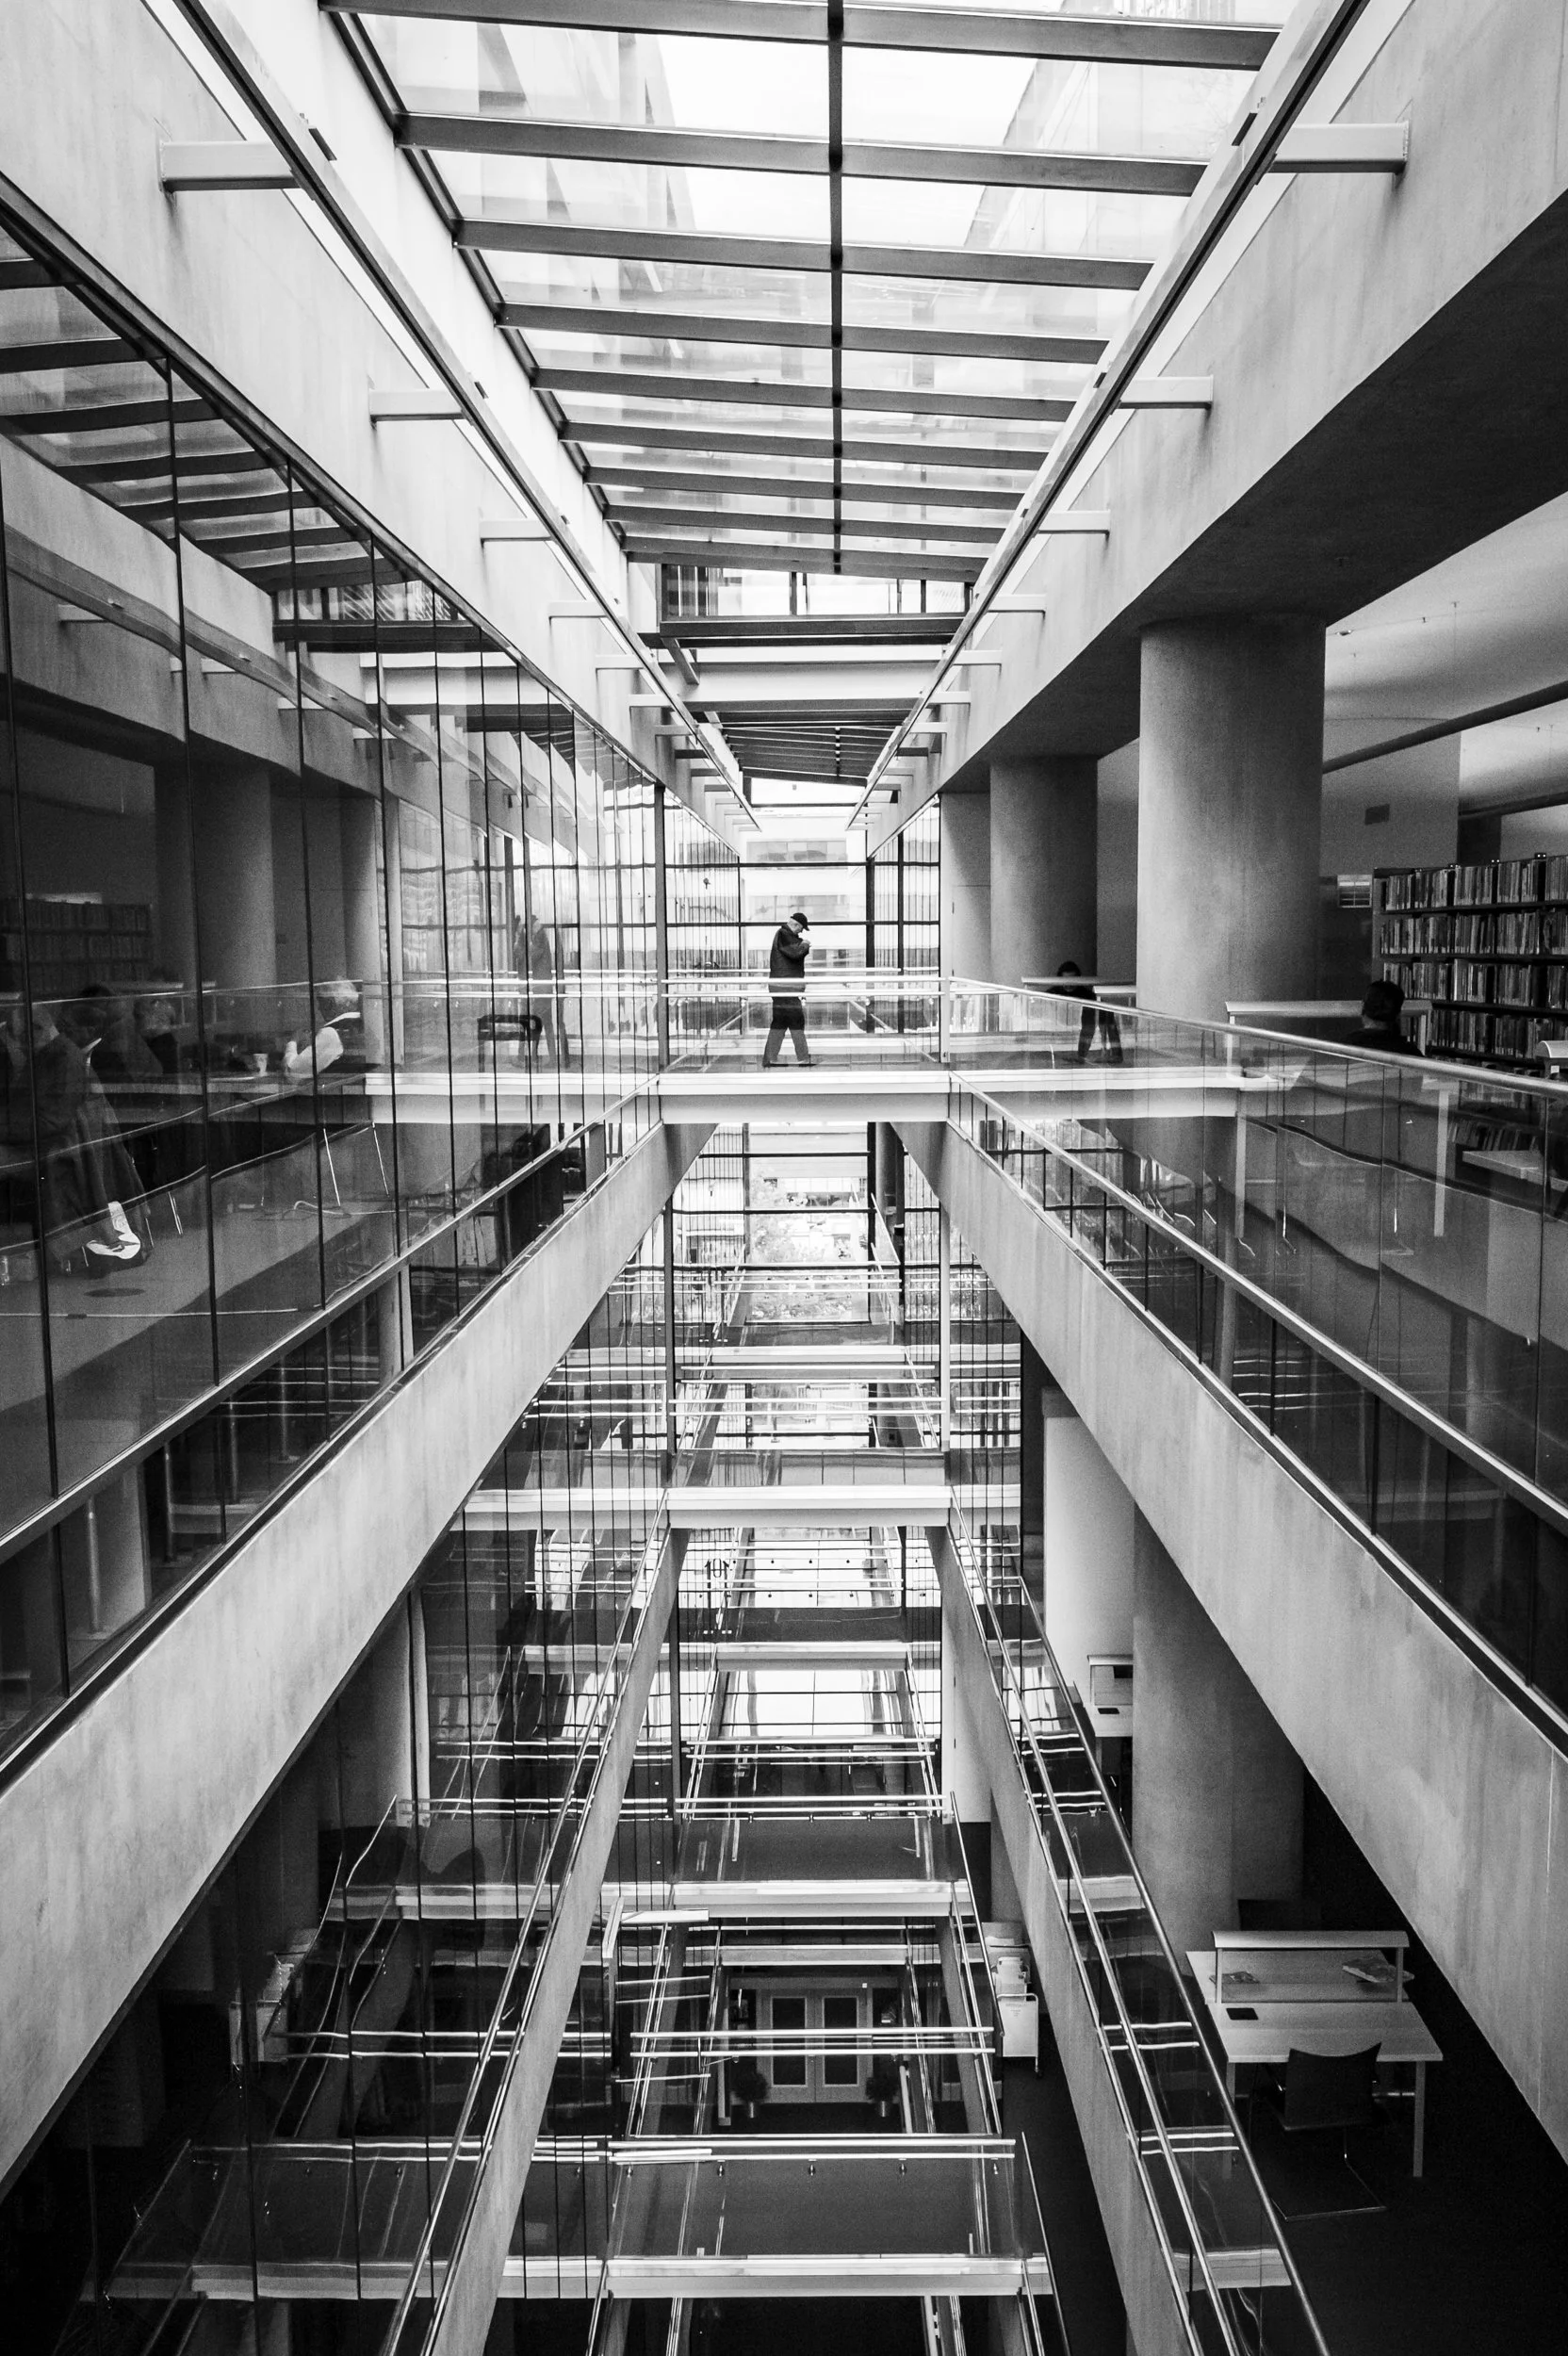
(791, 945)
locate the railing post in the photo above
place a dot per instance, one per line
(661, 930)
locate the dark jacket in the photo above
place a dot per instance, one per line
(1382, 1041)
(787, 964)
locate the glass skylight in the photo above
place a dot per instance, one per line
(835, 258)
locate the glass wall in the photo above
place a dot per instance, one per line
(326, 965)
(269, 2128)
(702, 886)
(903, 917)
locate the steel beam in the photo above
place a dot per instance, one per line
(646, 519)
(814, 448)
(770, 486)
(1088, 40)
(865, 565)
(863, 159)
(895, 635)
(779, 394)
(106, 417)
(594, 319)
(84, 351)
(987, 266)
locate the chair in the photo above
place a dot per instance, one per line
(1328, 2094)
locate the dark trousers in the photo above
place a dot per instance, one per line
(1109, 1031)
(789, 1016)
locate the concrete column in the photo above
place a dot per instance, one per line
(1045, 824)
(234, 878)
(104, 1561)
(1115, 946)
(1216, 1789)
(966, 886)
(1034, 1388)
(172, 835)
(1229, 804)
(944, 1335)
(379, 1733)
(964, 1778)
(363, 932)
(1087, 1549)
(394, 1327)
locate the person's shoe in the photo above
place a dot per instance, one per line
(122, 1225)
(116, 1254)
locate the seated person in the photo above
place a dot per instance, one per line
(1378, 1029)
(339, 1038)
(55, 1103)
(157, 1018)
(120, 1056)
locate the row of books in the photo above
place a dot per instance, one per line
(1540, 987)
(51, 912)
(1510, 933)
(1498, 1038)
(1492, 883)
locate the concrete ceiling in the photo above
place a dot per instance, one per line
(1481, 628)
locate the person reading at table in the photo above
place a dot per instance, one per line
(340, 1038)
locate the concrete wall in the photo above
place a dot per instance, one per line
(1088, 1548)
(1419, 793)
(120, 1823)
(1458, 1803)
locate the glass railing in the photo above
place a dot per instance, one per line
(767, 1464)
(456, 2170)
(293, 1240)
(345, 2157)
(1479, 1541)
(1230, 2268)
(1371, 1251)
(689, 2216)
(1413, 1213)
(855, 1020)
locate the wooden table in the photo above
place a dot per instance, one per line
(1336, 2026)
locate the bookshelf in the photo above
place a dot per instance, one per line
(74, 940)
(1488, 944)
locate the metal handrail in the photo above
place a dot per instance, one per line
(1234, 1034)
(571, 1821)
(964, 1551)
(1134, 2138)
(1479, 1458)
